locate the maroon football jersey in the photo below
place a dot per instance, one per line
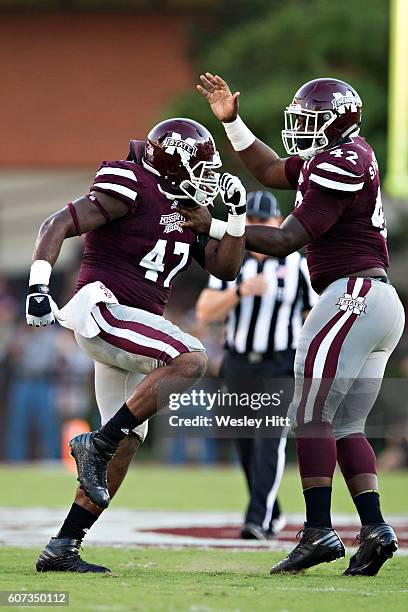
(338, 201)
(137, 256)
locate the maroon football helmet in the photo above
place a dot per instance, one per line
(182, 152)
(323, 111)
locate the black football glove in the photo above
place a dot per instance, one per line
(38, 306)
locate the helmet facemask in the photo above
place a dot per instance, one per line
(305, 130)
(202, 186)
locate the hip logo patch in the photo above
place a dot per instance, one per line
(356, 305)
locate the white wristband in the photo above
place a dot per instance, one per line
(236, 225)
(239, 134)
(40, 273)
(217, 229)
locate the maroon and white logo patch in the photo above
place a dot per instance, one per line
(356, 305)
(172, 222)
(175, 143)
(341, 103)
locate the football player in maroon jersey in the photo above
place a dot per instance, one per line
(351, 332)
(134, 248)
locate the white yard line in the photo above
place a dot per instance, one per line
(34, 526)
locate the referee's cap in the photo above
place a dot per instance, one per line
(262, 204)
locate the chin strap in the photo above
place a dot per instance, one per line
(353, 130)
(168, 195)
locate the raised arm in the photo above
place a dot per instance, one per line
(262, 161)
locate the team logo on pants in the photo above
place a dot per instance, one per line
(356, 305)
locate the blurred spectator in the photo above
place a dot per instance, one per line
(203, 450)
(8, 315)
(395, 454)
(34, 361)
(75, 381)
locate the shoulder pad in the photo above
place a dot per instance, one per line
(119, 179)
(339, 169)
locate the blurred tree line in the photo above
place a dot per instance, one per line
(266, 49)
(116, 5)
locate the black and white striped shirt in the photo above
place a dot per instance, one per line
(271, 322)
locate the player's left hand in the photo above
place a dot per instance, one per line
(197, 218)
(233, 194)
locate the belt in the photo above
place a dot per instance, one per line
(254, 357)
(383, 279)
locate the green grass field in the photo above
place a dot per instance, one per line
(155, 579)
(161, 488)
(203, 581)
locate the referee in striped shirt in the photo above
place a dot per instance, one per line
(264, 309)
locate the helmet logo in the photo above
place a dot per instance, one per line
(175, 143)
(342, 103)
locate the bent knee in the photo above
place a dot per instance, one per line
(192, 365)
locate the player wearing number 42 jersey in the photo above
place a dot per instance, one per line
(135, 245)
(352, 330)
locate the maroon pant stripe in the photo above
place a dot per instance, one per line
(140, 328)
(136, 349)
(332, 358)
(367, 283)
(309, 363)
(350, 285)
(330, 368)
(311, 356)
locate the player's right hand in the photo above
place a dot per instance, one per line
(223, 103)
(38, 308)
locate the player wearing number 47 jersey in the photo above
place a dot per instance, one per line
(135, 245)
(352, 330)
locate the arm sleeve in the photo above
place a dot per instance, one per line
(198, 249)
(309, 296)
(338, 175)
(119, 180)
(216, 283)
(293, 166)
(319, 210)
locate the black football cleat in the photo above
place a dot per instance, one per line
(377, 544)
(317, 545)
(251, 531)
(62, 555)
(91, 452)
